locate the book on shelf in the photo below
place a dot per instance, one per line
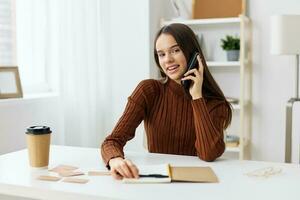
(232, 141)
(165, 173)
(232, 144)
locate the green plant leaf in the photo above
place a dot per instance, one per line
(230, 43)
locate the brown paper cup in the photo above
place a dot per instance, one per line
(38, 145)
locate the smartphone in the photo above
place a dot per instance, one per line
(193, 63)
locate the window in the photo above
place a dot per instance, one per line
(23, 36)
(7, 33)
(32, 37)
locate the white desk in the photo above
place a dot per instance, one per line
(17, 178)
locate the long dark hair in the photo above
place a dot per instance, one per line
(187, 41)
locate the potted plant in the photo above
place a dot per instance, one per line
(231, 45)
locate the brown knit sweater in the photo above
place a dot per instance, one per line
(174, 124)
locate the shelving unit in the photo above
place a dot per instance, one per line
(223, 64)
(234, 77)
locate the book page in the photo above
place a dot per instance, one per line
(162, 169)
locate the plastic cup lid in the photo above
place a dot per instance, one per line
(38, 130)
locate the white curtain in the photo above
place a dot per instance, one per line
(73, 49)
(83, 66)
(85, 50)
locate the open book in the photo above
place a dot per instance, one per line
(165, 174)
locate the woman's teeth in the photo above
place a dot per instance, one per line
(172, 69)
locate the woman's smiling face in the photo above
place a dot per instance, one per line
(171, 57)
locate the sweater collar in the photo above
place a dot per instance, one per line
(176, 88)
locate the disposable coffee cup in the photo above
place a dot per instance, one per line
(38, 145)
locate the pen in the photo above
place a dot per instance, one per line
(153, 176)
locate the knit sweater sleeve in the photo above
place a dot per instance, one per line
(135, 111)
(209, 125)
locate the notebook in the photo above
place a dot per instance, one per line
(166, 173)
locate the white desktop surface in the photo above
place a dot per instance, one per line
(18, 179)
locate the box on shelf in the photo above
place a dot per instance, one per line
(232, 141)
(203, 9)
(232, 144)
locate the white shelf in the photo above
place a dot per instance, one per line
(223, 63)
(232, 149)
(204, 21)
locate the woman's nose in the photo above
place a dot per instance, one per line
(169, 57)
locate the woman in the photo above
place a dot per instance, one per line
(175, 123)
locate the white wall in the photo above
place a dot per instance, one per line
(272, 81)
(129, 49)
(18, 114)
(128, 36)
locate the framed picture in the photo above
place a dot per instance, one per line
(10, 84)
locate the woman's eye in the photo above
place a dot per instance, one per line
(176, 50)
(161, 55)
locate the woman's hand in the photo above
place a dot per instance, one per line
(196, 76)
(122, 168)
